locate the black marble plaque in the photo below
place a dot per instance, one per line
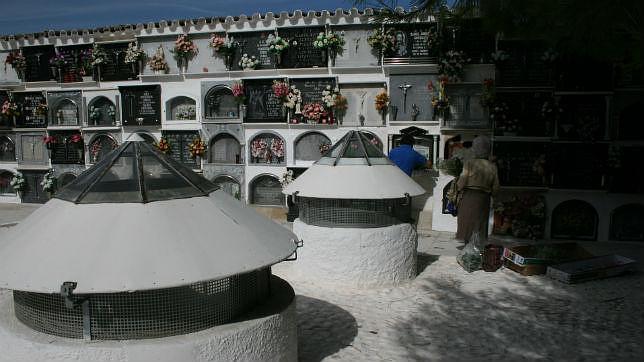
(578, 166)
(526, 108)
(254, 43)
(64, 151)
(519, 165)
(116, 68)
(582, 118)
(415, 42)
(141, 105)
(304, 54)
(311, 88)
(37, 58)
(179, 142)
(28, 102)
(262, 105)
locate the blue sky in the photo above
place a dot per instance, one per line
(28, 16)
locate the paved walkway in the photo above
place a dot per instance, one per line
(446, 314)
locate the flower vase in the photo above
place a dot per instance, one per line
(98, 73)
(228, 60)
(278, 60)
(54, 72)
(60, 74)
(198, 161)
(21, 75)
(21, 194)
(332, 55)
(87, 78)
(141, 66)
(325, 55)
(383, 115)
(158, 72)
(80, 155)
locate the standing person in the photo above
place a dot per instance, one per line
(477, 183)
(405, 157)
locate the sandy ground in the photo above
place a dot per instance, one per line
(447, 314)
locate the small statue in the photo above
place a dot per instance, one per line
(415, 111)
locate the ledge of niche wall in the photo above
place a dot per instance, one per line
(42, 84)
(170, 77)
(90, 84)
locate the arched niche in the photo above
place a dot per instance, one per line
(574, 220)
(229, 185)
(225, 148)
(308, 147)
(267, 148)
(266, 190)
(65, 179)
(7, 150)
(5, 182)
(182, 108)
(627, 223)
(219, 102)
(101, 112)
(630, 123)
(65, 113)
(100, 146)
(375, 140)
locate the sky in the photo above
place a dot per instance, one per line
(29, 16)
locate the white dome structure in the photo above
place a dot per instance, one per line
(141, 247)
(354, 216)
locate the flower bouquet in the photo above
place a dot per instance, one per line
(222, 45)
(330, 96)
(184, 48)
(313, 112)
(99, 56)
(324, 147)
(9, 108)
(452, 65)
(18, 182)
(331, 42)
(217, 42)
(85, 62)
(382, 102)
(382, 41)
(287, 178)
(135, 57)
(49, 141)
(258, 149)
(49, 183)
(452, 166)
(499, 114)
(76, 138)
(439, 100)
(186, 112)
(248, 63)
(58, 60)
(163, 145)
(238, 92)
(277, 148)
(157, 62)
(551, 110)
(41, 110)
(549, 56)
(197, 149)
(499, 56)
(293, 98)
(18, 62)
(276, 45)
(280, 89)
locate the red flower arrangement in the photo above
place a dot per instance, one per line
(163, 145)
(238, 92)
(280, 89)
(76, 138)
(313, 111)
(49, 140)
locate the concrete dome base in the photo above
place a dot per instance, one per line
(356, 257)
(268, 332)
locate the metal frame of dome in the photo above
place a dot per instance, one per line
(110, 181)
(354, 169)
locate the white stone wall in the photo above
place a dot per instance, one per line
(356, 257)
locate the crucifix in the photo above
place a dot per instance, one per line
(404, 87)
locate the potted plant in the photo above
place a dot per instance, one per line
(276, 45)
(225, 47)
(197, 149)
(330, 43)
(135, 57)
(18, 183)
(157, 62)
(184, 50)
(49, 183)
(99, 57)
(18, 62)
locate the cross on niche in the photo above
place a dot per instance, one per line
(404, 87)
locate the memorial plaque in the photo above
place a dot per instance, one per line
(582, 118)
(179, 142)
(37, 58)
(526, 108)
(415, 42)
(27, 103)
(304, 54)
(311, 88)
(72, 55)
(262, 104)
(116, 68)
(254, 43)
(578, 166)
(141, 105)
(522, 163)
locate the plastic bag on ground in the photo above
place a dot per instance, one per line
(470, 257)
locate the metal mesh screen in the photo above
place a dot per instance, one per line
(146, 314)
(354, 212)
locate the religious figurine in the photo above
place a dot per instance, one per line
(415, 111)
